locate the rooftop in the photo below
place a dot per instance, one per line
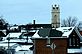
(58, 32)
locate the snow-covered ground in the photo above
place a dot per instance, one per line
(24, 52)
(74, 50)
(19, 49)
(23, 49)
(12, 35)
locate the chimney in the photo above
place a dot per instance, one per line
(33, 21)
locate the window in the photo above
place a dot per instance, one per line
(74, 41)
(77, 43)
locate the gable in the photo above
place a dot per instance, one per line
(73, 34)
(2, 34)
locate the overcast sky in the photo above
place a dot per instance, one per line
(25, 11)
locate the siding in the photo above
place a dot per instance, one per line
(41, 48)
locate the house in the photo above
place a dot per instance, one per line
(3, 24)
(14, 38)
(14, 29)
(28, 35)
(80, 30)
(3, 33)
(56, 41)
(34, 26)
(14, 35)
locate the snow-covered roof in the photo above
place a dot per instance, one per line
(15, 40)
(14, 27)
(29, 40)
(23, 30)
(36, 35)
(6, 44)
(66, 31)
(32, 31)
(4, 31)
(14, 35)
(22, 24)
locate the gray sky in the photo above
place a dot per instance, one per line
(24, 11)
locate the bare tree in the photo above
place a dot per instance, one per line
(80, 24)
(70, 21)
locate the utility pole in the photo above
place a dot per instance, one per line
(9, 40)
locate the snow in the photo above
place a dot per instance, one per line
(22, 24)
(14, 35)
(23, 47)
(24, 52)
(18, 48)
(65, 30)
(36, 35)
(32, 31)
(30, 41)
(6, 44)
(14, 27)
(26, 47)
(4, 31)
(15, 40)
(23, 30)
(74, 50)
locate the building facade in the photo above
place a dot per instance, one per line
(56, 41)
(56, 46)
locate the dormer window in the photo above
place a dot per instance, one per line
(73, 35)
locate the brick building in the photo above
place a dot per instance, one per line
(56, 41)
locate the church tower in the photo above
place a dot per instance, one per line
(55, 16)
